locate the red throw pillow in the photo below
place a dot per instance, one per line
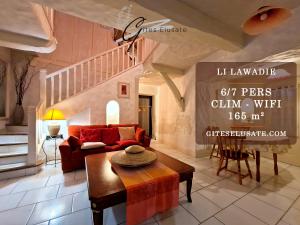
(110, 136)
(125, 143)
(90, 135)
(139, 134)
(74, 142)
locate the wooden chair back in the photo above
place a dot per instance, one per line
(231, 146)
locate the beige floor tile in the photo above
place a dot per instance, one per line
(6, 186)
(203, 179)
(282, 223)
(196, 207)
(83, 217)
(288, 179)
(272, 198)
(235, 188)
(195, 187)
(218, 196)
(48, 210)
(17, 216)
(292, 217)
(297, 204)
(81, 201)
(10, 201)
(259, 209)
(45, 223)
(72, 187)
(39, 195)
(236, 216)
(30, 184)
(178, 216)
(281, 189)
(61, 178)
(212, 221)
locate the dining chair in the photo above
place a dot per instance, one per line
(231, 148)
(244, 128)
(212, 141)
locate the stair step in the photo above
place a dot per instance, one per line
(12, 166)
(13, 158)
(12, 139)
(14, 149)
(17, 128)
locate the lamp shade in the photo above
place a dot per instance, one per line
(264, 19)
(54, 114)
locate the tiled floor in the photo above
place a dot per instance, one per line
(53, 198)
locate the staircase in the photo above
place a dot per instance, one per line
(19, 145)
(82, 76)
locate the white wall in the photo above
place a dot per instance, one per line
(177, 128)
(92, 103)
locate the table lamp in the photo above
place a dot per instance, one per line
(52, 115)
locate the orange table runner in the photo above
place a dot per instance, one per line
(150, 190)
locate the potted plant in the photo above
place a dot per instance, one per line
(23, 73)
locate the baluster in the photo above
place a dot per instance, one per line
(75, 80)
(101, 70)
(52, 91)
(60, 87)
(128, 58)
(68, 83)
(106, 66)
(133, 55)
(112, 63)
(95, 72)
(118, 61)
(138, 51)
(81, 76)
(123, 58)
(88, 74)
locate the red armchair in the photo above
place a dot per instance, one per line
(72, 158)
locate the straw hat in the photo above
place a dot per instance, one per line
(134, 159)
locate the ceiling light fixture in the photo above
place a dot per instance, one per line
(264, 19)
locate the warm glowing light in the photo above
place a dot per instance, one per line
(112, 112)
(54, 114)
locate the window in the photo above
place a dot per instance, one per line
(112, 112)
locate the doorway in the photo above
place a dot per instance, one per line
(145, 113)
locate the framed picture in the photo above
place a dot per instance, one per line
(123, 90)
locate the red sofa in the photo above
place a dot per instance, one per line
(73, 158)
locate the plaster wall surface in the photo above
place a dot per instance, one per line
(92, 103)
(177, 128)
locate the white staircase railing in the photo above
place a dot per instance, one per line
(93, 71)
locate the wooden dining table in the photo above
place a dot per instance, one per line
(262, 144)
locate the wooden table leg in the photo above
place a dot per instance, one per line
(257, 158)
(275, 163)
(98, 217)
(189, 189)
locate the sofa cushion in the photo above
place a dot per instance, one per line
(126, 133)
(74, 142)
(125, 143)
(139, 134)
(123, 125)
(110, 148)
(74, 130)
(92, 145)
(110, 136)
(90, 135)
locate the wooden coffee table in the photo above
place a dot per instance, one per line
(106, 188)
